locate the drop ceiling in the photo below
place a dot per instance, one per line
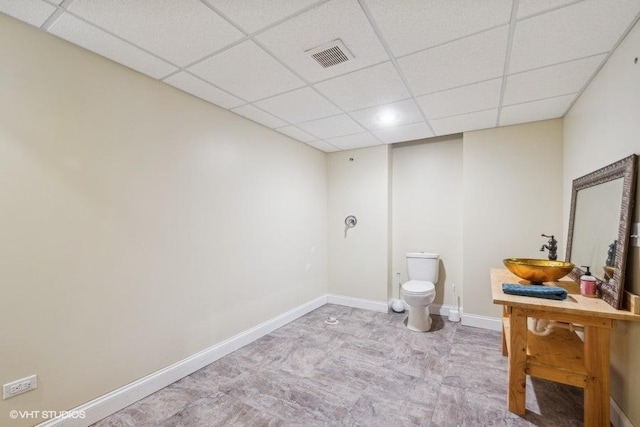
(420, 68)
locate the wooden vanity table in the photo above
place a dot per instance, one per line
(561, 356)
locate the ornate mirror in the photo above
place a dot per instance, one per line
(600, 224)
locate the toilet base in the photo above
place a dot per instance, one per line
(419, 319)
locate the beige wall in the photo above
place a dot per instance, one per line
(139, 225)
(427, 209)
(512, 194)
(359, 260)
(140, 219)
(601, 128)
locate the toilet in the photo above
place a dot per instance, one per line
(419, 291)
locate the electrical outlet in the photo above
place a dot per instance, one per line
(17, 387)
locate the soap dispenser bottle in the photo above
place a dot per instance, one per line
(588, 286)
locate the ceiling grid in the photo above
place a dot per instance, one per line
(512, 29)
(419, 68)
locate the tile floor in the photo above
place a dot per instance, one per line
(368, 370)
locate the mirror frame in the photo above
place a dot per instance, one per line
(612, 291)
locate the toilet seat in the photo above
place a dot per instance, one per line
(418, 287)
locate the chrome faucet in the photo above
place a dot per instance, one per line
(552, 246)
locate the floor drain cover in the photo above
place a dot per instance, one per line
(331, 321)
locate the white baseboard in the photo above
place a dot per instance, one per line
(116, 400)
(440, 309)
(484, 322)
(366, 304)
(617, 417)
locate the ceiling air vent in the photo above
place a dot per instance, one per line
(330, 54)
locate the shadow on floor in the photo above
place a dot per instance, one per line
(548, 400)
(437, 323)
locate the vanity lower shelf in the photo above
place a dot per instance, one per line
(556, 357)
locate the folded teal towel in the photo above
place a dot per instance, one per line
(548, 292)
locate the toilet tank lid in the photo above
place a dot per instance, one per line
(422, 255)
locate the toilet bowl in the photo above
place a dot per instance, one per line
(418, 294)
(419, 291)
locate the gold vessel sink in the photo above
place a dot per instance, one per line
(538, 270)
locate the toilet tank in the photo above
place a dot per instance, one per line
(423, 266)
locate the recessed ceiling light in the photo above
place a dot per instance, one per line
(388, 118)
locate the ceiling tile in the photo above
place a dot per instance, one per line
(451, 58)
(349, 142)
(469, 60)
(337, 19)
(323, 146)
(465, 122)
(296, 133)
(204, 90)
(407, 112)
(247, 71)
(586, 28)
(259, 116)
(331, 127)
(404, 133)
(353, 91)
(32, 12)
(301, 105)
(551, 81)
(178, 31)
(532, 7)
(418, 24)
(254, 15)
(79, 32)
(536, 110)
(466, 99)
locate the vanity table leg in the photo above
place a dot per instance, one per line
(505, 315)
(517, 361)
(596, 392)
